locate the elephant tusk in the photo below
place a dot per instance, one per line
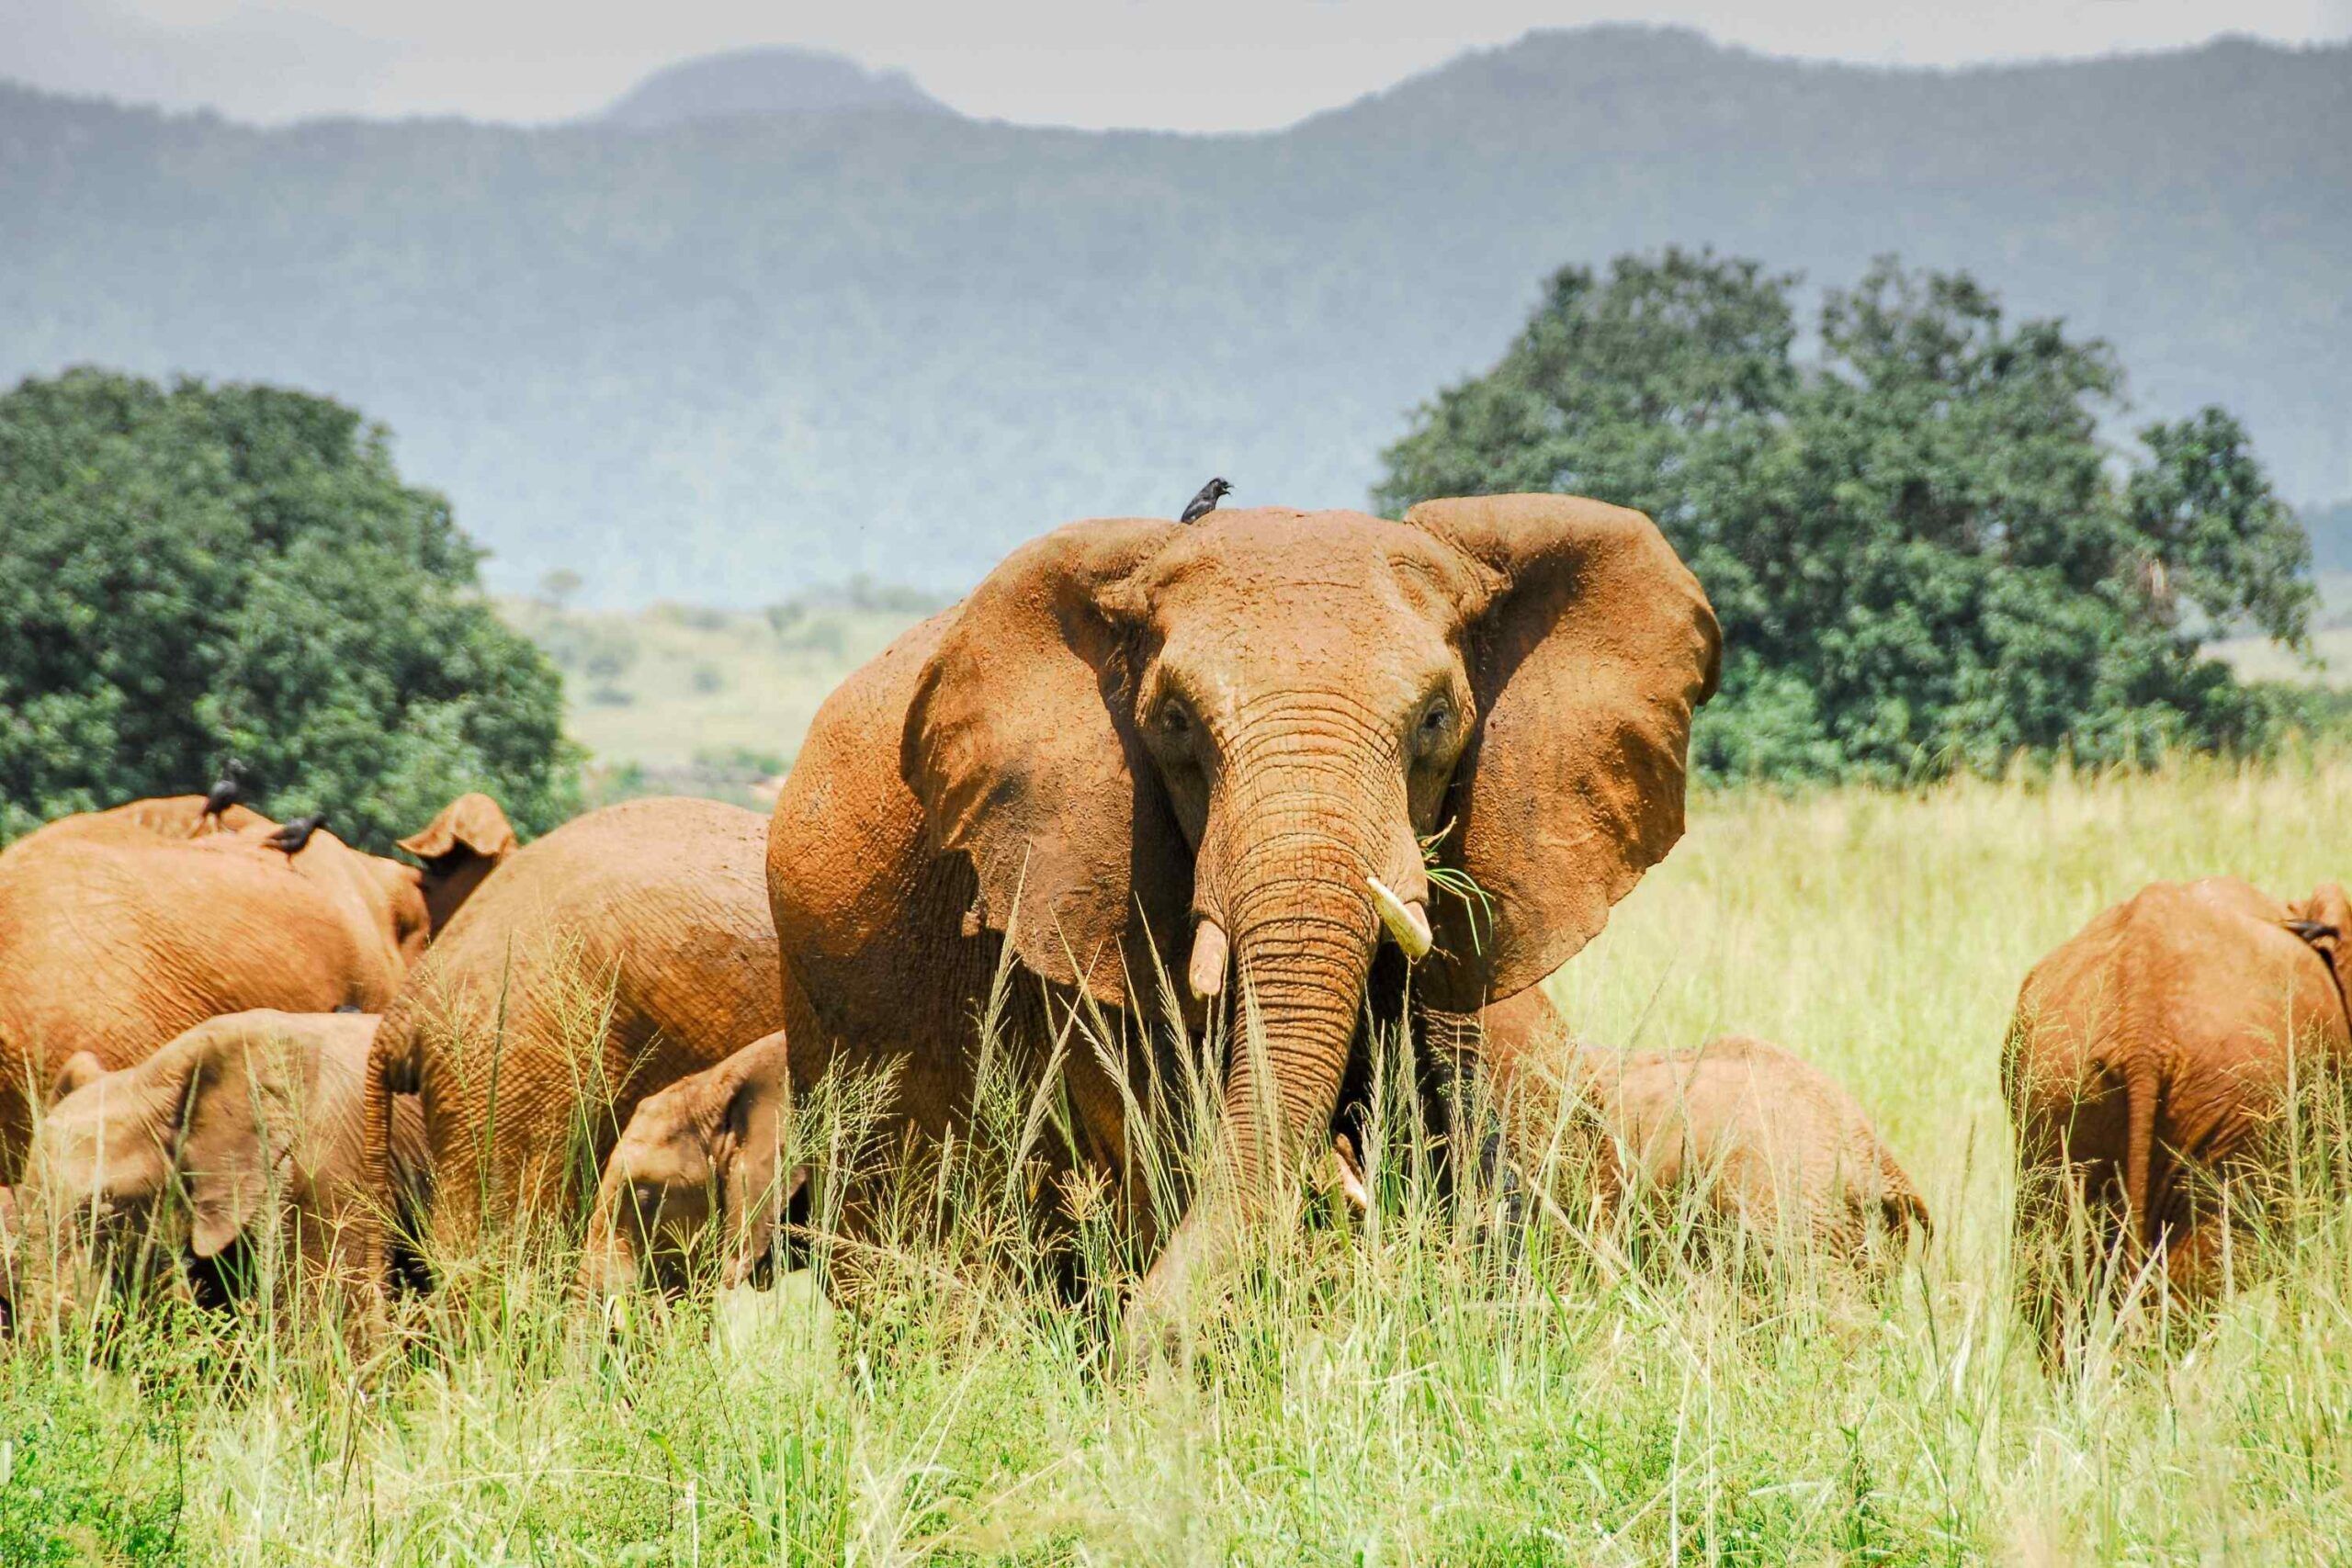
(1207, 973)
(1351, 1172)
(1408, 923)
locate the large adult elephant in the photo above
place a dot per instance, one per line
(120, 928)
(1231, 740)
(2150, 1064)
(627, 948)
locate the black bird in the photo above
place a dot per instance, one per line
(1200, 505)
(226, 791)
(295, 837)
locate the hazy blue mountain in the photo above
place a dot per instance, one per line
(764, 82)
(727, 359)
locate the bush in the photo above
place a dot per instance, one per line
(195, 572)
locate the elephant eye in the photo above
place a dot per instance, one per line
(1174, 721)
(1435, 720)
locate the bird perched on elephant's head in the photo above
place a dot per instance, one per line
(1204, 501)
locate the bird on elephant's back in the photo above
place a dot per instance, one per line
(1137, 743)
(2151, 1065)
(627, 948)
(120, 928)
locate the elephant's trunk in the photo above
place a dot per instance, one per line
(1290, 867)
(608, 1260)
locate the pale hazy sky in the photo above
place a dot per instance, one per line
(1197, 65)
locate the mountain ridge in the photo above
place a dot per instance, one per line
(757, 81)
(726, 359)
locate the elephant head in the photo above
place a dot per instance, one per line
(182, 1156)
(706, 1150)
(1238, 736)
(458, 849)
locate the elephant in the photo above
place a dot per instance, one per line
(627, 948)
(708, 1149)
(242, 1132)
(2150, 1066)
(1240, 744)
(120, 928)
(1748, 1137)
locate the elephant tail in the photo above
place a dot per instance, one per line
(391, 1066)
(2142, 1091)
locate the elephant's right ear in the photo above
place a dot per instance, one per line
(1020, 744)
(2327, 914)
(754, 1187)
(238, 1120)
(462, 845)
(80, 1069)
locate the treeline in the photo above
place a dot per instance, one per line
(1926, 553)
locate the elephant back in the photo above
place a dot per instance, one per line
(114, 937)
(621, 952)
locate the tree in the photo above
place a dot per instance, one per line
(560, 587)
(195, 572)
(1923, 555)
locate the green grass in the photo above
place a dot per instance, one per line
(1399, 1395)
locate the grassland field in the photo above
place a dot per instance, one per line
(1409, 1391)
(1397, 1397)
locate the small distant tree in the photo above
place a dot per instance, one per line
(1922, 554)
(195, 572)
(560, 587)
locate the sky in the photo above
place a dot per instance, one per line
(1176, 64)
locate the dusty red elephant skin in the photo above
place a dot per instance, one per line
(2151, 1054)
(627, 948)
(120, 928)
(1138, 738)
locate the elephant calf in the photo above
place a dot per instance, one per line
(243, 1131)
(627, 948)
(1738, 1131)
(706, 1149)
(2150, 1066)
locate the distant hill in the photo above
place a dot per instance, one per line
(752, 82)
(724, 360)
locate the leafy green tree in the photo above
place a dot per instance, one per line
(196, 572)
(1923, 554)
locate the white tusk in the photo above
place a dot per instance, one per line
(1408, 923)
(1207, 973)
(1351, 1187)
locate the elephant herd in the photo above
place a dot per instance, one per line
(1269, 786)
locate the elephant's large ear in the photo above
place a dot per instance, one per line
(1593, 648)
(237, 1122)
(459, 847)
(82, 1070)
(755, 1188)
(1020, 745)
(2326, 920)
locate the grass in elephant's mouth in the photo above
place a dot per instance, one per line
(1405, 1390)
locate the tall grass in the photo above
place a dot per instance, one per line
(1418, 1387)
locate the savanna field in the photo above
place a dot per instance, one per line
(1410, 1390)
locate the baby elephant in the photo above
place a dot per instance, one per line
(1738, 1131)
(240, 1136)
(2151, 1065)
(707, 1149)
(1760, 1139)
